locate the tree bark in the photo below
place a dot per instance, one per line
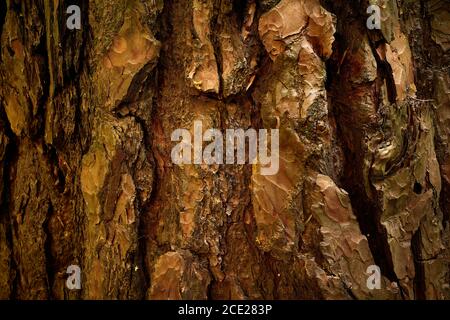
(87, 179)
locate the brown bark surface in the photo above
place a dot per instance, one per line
(86, 176)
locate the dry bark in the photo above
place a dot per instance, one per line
(86, 118)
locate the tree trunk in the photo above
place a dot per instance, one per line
(87, 179)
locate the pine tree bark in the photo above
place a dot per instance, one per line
(86, 118)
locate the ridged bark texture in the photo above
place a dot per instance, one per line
(86, 175)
